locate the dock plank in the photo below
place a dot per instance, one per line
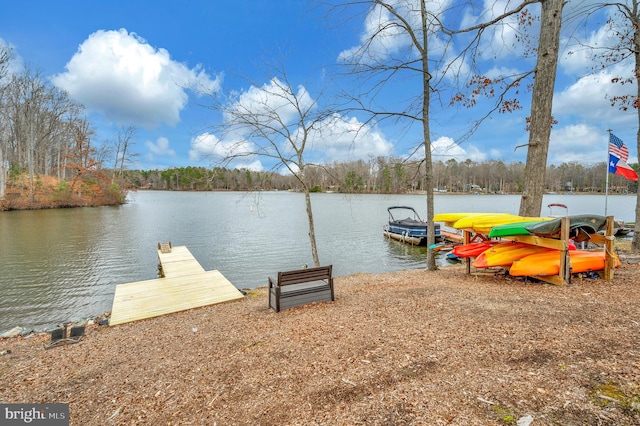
(185, 285)
(179, 262)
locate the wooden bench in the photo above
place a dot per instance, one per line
(300, 287)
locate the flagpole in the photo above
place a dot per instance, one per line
(606, 185)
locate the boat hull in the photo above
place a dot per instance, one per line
(416, 236)
(412, 231)
(407, 239)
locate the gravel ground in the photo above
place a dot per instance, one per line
(404, 348)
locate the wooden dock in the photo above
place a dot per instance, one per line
(184, 285)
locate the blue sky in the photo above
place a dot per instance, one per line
(147, 63)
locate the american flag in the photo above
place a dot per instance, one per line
(618, 148)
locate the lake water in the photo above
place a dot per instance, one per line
(61, 265)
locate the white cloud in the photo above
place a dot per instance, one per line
(231, 152)
(255, 166)
(339, 138)
(579, 143)
(589, 98)
(121, 75)
(272, 104)
(161, 147)
(272, 107)
(445, 148)
(203, 146)
(335, 138)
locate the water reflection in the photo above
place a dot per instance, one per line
(59, 265)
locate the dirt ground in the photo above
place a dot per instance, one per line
(404, 348)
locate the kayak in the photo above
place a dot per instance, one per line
(452, 217)
(472, 249)
(467, 222)
(511, 229)
(490, 259)
(579, 226)
(442, 247)
(453, 237)
(504, 254)
(549, 263)
(485, 226)
(497, 249)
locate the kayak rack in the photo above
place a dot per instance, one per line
(562, 244)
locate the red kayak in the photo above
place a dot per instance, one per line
(472, 249)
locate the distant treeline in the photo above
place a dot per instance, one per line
(386, 175)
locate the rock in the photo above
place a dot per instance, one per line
(525, 421)
(12, 333)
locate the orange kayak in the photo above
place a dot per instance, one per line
(490, 258)
(548, 263)
(504, 254)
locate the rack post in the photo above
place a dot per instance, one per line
(467, 239)
(609, 260)
(565, 260)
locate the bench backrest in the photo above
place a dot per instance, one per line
(304, 275)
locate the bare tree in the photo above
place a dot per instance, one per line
(123, 154)
(81, 156)
(389, 21)
(37, 114)
(5, 58)
(6, 55)
(418, 25)
(541, 120)
(276, 122)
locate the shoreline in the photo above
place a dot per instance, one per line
(407, 347)
(622, 249)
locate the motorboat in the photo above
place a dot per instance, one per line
(411, 229)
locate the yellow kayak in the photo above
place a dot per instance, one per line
(484, 226)
(452, 217)
(468, 222)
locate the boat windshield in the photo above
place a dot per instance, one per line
(401, 211)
